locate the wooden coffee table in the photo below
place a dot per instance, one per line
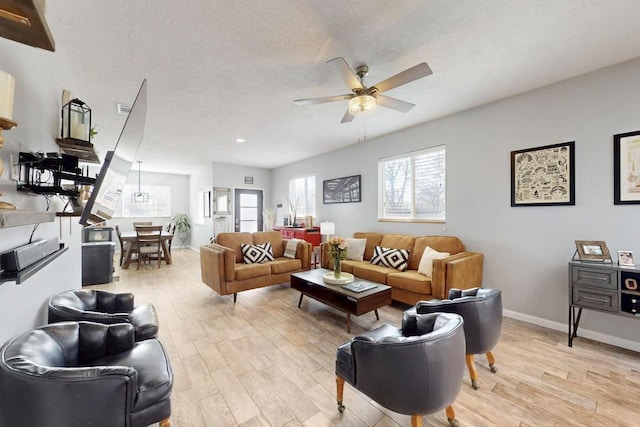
(310, 283)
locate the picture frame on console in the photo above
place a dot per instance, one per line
(625, 258)
(341, 190)
(626, 168)
(593, 250)
(543, 176)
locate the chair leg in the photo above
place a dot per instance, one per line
(416, 420)
(165, 423)
(492, 362)
(235, 297)
(472, 371)
(339, 391)
(451, 416)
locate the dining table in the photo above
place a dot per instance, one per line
(132, 238)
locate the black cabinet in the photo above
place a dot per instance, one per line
(97, 263)
(603, 287)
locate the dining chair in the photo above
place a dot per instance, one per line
(171, 229)
(124, 246)
(148, 241)
(143, 223)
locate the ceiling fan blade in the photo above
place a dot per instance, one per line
(311, 101)
(414, 73)
(394, 104)
(347, 117)
(345, 72)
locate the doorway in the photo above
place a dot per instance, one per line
(248, 210)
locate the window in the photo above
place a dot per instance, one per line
(302, 195)
(157, 205)
(411, 187)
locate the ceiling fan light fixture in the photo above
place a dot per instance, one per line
(362, 104)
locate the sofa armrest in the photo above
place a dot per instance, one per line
(217, 266)
(303, 253)
(462, 271)
(324, 256)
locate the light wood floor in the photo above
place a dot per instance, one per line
(264, 362)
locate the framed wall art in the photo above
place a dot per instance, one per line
(626, 168)
(543, 176)
(592, 250)
(341, 190)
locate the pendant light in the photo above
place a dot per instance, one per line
(139, 197)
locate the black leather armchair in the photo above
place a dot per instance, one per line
(84, 374)
(415, 370)
(481, 309)
(104, 307)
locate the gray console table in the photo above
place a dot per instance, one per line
(604, 287)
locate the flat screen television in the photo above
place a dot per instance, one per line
(117, 164)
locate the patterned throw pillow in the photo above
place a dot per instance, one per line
(252, 254)
(390, 257)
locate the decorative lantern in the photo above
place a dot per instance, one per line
(76, 120)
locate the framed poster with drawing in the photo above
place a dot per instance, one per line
(626, 168)
(341, 190)
(543, 176)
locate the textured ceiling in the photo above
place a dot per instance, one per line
(218, 70)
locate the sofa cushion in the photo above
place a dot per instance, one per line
(233, 242)
(450, 244)
(374, 273)
(273, 237)
(390, 257)
(411, 281)
(373, 240)
(426, 262)
(398, 241)
(251, 271)
(355, 248)
(285, 265)
(253, 254)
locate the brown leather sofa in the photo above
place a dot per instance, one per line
(223, 268)
(462, 269)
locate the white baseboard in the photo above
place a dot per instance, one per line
(563, 327)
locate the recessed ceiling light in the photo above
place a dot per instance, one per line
(239, 140)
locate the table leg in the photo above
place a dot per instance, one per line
(127, 256)
(349, 322)
(300, 301)
(165, 251)
(377, 316)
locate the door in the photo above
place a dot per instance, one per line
(248, 210)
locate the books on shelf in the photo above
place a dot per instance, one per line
(359, 286)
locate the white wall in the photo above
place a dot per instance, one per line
(526, 248)
(39, 86)
(226, 176)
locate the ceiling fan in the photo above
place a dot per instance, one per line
(364, 99)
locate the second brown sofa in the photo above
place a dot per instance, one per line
(462, 269)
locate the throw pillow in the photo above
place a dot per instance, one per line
(290, 249)
(355, 249)
(390, 257)
(252, 254)
(426, 262)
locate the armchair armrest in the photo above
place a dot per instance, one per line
(462, 270)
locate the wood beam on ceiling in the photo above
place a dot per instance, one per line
(23, 21)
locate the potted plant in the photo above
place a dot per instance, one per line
(183, 225)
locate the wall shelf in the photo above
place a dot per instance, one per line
(25, 273)
(15, 218)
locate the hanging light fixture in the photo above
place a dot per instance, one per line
(362, 104)
(139, 197)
